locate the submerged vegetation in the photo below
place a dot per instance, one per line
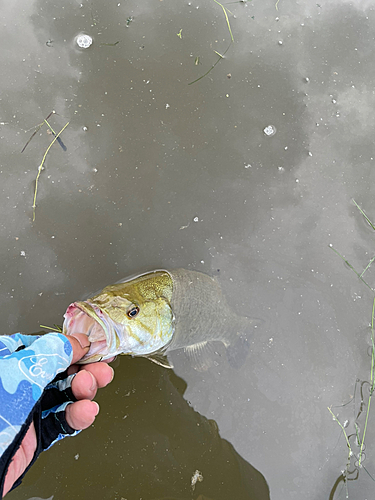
(355, 460)
(221, 56)
(40, 168)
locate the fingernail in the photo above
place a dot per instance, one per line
(97, 407)
(113, 374)
(93, 382)
(82, 340)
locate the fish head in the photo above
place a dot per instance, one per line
(131, 317)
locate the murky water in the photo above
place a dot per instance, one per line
(162, 174)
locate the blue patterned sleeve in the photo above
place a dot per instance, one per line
(32, 389)
(24, 374)
(10, 343)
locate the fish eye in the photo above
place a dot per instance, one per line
(133, 311)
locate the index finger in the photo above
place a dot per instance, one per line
(80, 344)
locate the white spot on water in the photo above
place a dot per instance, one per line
(196, 219)
(84, 41)
(23, 253)
(270, 130)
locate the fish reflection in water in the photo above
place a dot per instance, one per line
(158, 312)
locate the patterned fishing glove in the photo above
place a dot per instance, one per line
(34, 387)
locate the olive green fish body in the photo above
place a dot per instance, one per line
(154, 314)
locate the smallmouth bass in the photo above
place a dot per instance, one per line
(158, 312)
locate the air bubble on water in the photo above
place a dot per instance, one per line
(23, 253)
(334, 101)
(345, 424)
(196, 219)
(76, 456)
(84, 128)
(280, 42)
(270, 130)
(306, 79)
(310, 153)
(84, 41)
(281, 169)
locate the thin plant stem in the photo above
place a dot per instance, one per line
(276, 4)
(58, 138)
(38, 127)
(41, 166)
(212, 67)
(343, 430)
(226, 17)
(372, 383)
(364, 215)
(56, 328)
(368, 265)
(351, 267)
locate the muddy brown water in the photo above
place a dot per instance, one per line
(162, 174)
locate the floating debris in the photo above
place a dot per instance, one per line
(84, 41)
(110, 44)
(221, 56)
(270, 130)
(40, 168)
(196, 477)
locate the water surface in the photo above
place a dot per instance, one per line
(162, 174)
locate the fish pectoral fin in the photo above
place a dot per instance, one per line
(160, 359)
(201, 355)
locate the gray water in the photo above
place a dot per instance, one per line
(162, 174)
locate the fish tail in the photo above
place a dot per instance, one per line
(239, 347)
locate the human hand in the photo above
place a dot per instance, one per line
(83, 380)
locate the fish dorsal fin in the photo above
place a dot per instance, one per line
(160, 359)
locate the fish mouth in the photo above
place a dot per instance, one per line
(83, 317)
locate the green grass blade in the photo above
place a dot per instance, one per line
(364, 215)
(226, 17)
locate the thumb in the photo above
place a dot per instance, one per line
(80, 344)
